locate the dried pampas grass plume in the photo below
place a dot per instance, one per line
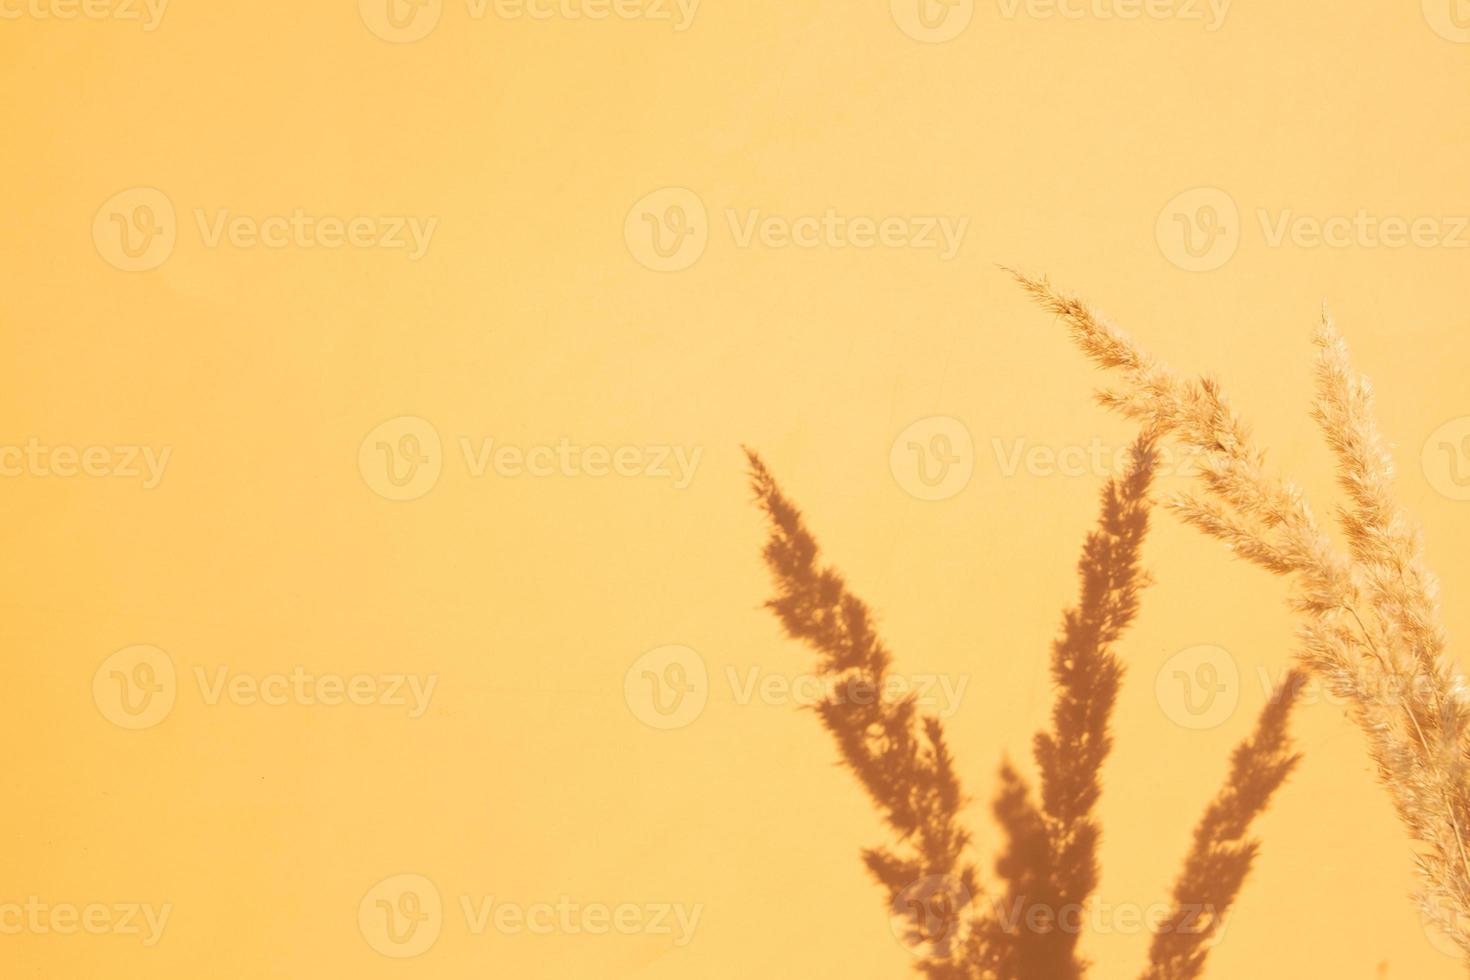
(1370, 620)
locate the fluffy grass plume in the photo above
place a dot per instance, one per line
(1049, 867)
(1370, 622)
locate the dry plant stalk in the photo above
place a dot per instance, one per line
(1049, 867)
(1370, 617)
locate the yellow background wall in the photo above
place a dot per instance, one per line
(537, 315)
